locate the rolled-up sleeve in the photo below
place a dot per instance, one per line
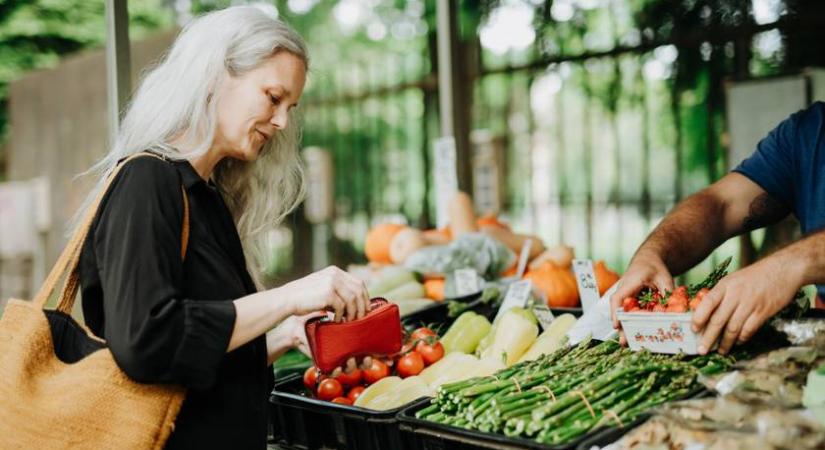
(155, 333)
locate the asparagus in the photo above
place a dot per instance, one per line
(561, 396)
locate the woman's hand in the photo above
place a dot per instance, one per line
(330, 289)
(289, 334)
(645, 270)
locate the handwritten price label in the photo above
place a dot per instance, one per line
(517, 295)
(466, 282)
(544, 315)
(586, 280)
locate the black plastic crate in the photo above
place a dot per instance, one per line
(606, 436)
(302, 422)
(419, 434)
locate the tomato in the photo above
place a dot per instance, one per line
(329, 389)
(430, 352)
(351, 378)
(355, 392)
(422, 333)
(376, 371)
(342, 401)
(410, 364)
(311, 377)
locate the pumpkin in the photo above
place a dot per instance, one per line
(434, 289)
(560, 255)
(405, 243)
(377, 244)
(557, 283)
(605, 277)
(510, 271)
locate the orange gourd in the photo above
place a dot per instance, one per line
(462, 217)
(491, 220)
(558, 285)
(434, 289)
(377, 245)
(605, 277)
(510, 271)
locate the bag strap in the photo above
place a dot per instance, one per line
(69, 259)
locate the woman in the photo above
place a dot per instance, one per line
(218, 110)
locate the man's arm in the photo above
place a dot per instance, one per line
(689, 233)
(703, 221)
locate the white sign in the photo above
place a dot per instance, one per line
(544, 315)
(523, 257)
(446, 178)
(586, 279)
(517, 295)
(466, 282)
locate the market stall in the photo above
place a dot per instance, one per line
(486, 361)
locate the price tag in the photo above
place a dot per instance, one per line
(445, 176)
(466, 282)
(586, 279)
(544, 315)
(517, 295)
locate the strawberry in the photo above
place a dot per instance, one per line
(677, 305)
(697, 299)
(630, 304)
(658, 307)
(678, 300)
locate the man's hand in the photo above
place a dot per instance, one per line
(645, 270)
(741, 302)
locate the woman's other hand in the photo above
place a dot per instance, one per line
(330, 289)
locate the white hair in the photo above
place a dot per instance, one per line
(174, 102)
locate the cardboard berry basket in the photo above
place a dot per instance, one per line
(660, 332)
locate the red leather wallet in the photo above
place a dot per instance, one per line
(377, 333)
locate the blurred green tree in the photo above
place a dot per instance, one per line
(34, 34)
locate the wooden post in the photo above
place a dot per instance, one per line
(118, 62)
(454, 90)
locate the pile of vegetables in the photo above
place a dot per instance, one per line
(558, 397)
(381, 383)
(680, 300)
(483, 244)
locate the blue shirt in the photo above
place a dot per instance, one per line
(789, 164)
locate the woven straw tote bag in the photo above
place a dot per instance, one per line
(60, 386)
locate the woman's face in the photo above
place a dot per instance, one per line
(254, 106)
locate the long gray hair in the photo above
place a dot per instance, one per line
(174, 102)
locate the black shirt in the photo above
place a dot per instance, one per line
(168, 320)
